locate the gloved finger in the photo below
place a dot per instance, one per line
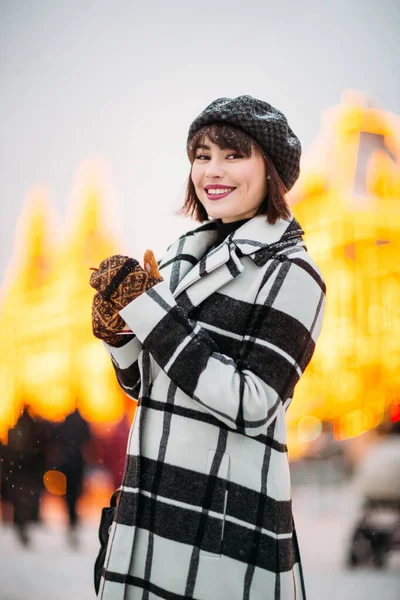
(150, 264)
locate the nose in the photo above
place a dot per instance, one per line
(214, 169)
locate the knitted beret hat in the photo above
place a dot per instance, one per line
(264, 123)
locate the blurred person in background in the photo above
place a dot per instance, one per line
(378, 476)
(67, 454)
(377, 479)
(112, 450)
(23, 467)
(220, 335)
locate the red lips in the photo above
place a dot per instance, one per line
(215, 186)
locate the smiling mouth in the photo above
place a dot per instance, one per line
(218, 193)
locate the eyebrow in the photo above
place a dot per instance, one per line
(203, 147)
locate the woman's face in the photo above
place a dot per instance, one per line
(230, 186)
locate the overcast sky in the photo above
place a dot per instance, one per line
(123, 79)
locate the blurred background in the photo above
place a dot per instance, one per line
(96, 100)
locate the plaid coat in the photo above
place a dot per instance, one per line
(205, 510)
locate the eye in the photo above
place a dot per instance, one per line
(234, 155)
(201, 157)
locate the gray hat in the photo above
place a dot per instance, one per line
(264, 123)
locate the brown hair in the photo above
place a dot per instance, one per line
(229, 137)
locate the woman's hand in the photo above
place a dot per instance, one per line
(118, 281)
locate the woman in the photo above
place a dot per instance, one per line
(222, 334)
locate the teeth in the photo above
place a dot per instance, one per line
(217, 192)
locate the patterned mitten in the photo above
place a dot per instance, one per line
(118, 281)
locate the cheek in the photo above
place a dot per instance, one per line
(263, 187)
(258, 182)
(196, 177)
(251, 181)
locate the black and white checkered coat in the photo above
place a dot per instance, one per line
(205, 511)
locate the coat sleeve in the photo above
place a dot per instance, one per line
(125, 362)
(244, 394)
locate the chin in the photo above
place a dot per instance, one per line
(216, 212)
(223, 216)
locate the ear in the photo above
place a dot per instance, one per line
(150, 264)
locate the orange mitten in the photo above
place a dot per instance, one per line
(118, 281)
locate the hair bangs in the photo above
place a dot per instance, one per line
(226, 137)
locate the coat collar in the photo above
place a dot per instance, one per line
(257, 234)
(190, 266)
(249, 239)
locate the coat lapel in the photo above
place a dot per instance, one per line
(189, 267)
(184, 254)
(211, 273)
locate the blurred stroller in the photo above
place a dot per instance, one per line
(377, 533)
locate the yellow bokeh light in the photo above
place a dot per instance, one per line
(309, 429)
(52, 361)
(352, 230)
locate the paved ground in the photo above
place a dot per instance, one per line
(52, 571)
